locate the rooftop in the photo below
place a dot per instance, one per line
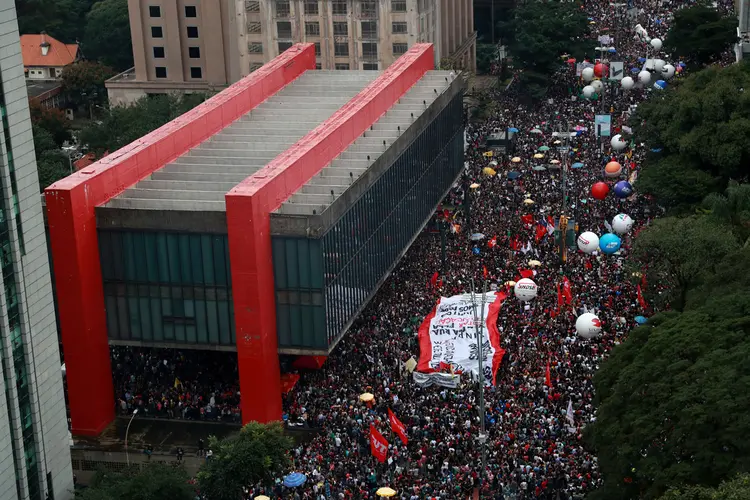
(199, 179)
(35, 88)
(58, 54)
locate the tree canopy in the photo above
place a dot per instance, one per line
(259, 453)
(83, 82)
(539, 33)
(107, 36)
(51, 162)
(65, 20)
(701, 128)
(153, 482)
(700, 34)
(734, 489)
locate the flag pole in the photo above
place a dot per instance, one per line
(479, 329)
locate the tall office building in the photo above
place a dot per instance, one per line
(34, 447)
(204, 45)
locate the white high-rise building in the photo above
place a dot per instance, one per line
(34, 446)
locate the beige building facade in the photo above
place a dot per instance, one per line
(204, 45)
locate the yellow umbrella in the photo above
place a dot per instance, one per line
(366, 397)
(528, 201)
(539, 155)
(510, 283)
(516, 159)
(555, 162)
(386, 492)
(262, 497)
(488, 154)
(535, 263)
(489, 171)
(474, 186)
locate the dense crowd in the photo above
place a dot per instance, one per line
(533, 450)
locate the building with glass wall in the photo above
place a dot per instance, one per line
(35, 457)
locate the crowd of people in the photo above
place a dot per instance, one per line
(533, 451)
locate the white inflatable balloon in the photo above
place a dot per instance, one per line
(667, 71)
(525, 290)
(656, 43)
(627, 83)
(588, 242)
(598, 85)
(618, 143)
(588, 91)
(659, 65)
(587, 74)
(622, 223)
(588, 326)
(644, 77)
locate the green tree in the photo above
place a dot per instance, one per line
(732, 208)
(734, 489)
(53, 121)
(681, 252)
(700, 35)
(258, 453)
(154, 482)
(486, 56)
(107, 37)
(672, 401)
(51, 162)
(539, 33)
(700, 128)
(64, 20)
(83, 82)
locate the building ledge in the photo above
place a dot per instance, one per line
(127, 80)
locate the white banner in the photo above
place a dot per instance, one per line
(616, 70)
(448, 337)
(440, 379)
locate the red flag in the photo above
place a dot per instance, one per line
(398, 427)
(493, 242)
(644, 283)
(566, 290)
(548, 376)
(641, 300)
(541, 232)
(433, 280)
(515, 244)
(485, 273)
(526, 273)
(378, 444)
(527, 219)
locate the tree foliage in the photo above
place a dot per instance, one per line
(259, 453)
(107, 37)
(701, 129)
(51, 162)
(65, 20)
(125, 124)
(734, 489)
(539, 33)
(154, 482)
(53, 121)
(83, 82)
(700, 35)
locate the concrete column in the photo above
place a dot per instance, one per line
(136, 35)
(172, 37)
(213, 43)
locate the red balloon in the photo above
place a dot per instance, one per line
(600, 190)
(601, 70)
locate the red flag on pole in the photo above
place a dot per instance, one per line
(398, 427)
(641, 300)
(541, 232)
(485, 273)
(548, 376)
(526, 273)
(378, 444)
(527, 219)
(493, 242)
(433, 280)
(566, 290)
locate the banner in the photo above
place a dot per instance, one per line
(448, 335)
(447, 380)
(397, 427)
(378, 444)
(616, 70)
(603, 125)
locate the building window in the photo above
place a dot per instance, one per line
(254, 27)
(255, 47)
(252, 5)
(154, 11)
(339, 8)
(284, 46)
(318, 66)
(369, 29)
(312, 28)
(398, 28)
(282, 8)
(341, 50)
(192, 31)
(317, 49)
(156, 32)
(311, 7)
(194, 52)
(398, 5)
(369, 51)
(195, 72)
(342, 66)
(158, 52)
(369, 8)
(340, 29)
(400, 48)
(284, 29)
(161, 72)
(254, 66)
(370, 66)
(191, 11)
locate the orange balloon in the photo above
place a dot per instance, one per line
(613, 169)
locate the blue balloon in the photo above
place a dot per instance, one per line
(640, 320)
(660, 85)
(610, 243)
(623, 189)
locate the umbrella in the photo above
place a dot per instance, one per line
(516, 159)
(555, 162)
(474, 186)
(539, 168)
(489, 171)
(612, 50)
(635, 70)
(544, 148)
(366, 397)
(513, 129)
(513, 175)
(488, 154)
(641, 59)
(528, 201)
(262, 497)
(571, 60)
(535, 263)
(577, 164)
(295, 479)
(557, 142)
(640, 320)
(477, 236)
(385, 492)
(656, 150)
(510, 283)
(535, 131)
(539, 155)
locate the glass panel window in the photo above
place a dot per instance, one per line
(192, 31)
(158, 52)
(312, 28)
(340, 29)
(317, 49)
(284, 29)
(160, 71)
(339, 8)
(191, 11)
(399, 27)
(369, 51)
(311, 7)
(400, 48)
(154, 11)
(283, 8)
(283, 46)
(156, 32)
(194, 52)
(398, 5)
(342, 66)
(196, 72)
(255, 48)
(341, 50)
(369, 29)
(370, 66)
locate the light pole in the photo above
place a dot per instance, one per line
(127, 455)
(479, 329)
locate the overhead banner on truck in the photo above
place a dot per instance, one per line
(448, 336)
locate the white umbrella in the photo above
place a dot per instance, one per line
(477, 237)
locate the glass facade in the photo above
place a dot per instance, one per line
(167, 287)
(358, 251)
(12, 305)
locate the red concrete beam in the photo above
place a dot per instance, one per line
(248, 222)
(72, 225)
